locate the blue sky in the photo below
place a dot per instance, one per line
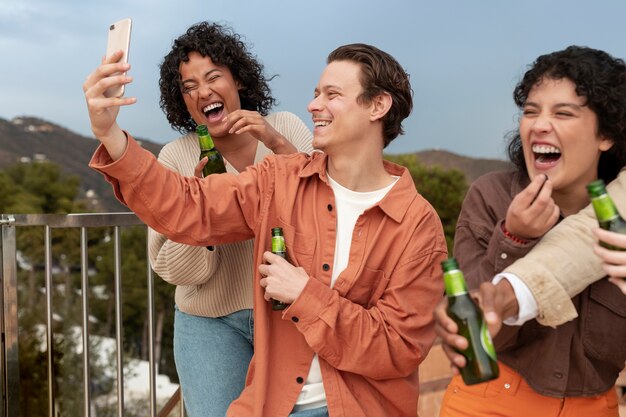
(464, 56)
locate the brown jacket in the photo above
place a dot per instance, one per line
(577, 359)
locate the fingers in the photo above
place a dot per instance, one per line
(534, 190)
(613, 261)
(442, 319)
(197, 171)
(272, 261)
(447, 330)
(533, 211)
(270, 272)
(241, 121)
(263, 282)
(491, 306)
(612, 238)
(456, 359)
(114, 57)
(105, 72)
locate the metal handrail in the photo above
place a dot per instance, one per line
(9, 358)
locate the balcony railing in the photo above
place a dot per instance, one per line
(9, 326)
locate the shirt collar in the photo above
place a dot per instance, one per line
(404, 189)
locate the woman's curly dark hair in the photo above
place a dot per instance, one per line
(225, 48)
(601, 80)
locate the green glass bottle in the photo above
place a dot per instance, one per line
(606, 212)
(280, 249)
(215, 164)
(480, 355)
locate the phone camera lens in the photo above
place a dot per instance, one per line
(111, 27)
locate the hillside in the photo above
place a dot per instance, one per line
(471, 167)
(31, 139)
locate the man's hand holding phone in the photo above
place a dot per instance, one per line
(110, 76)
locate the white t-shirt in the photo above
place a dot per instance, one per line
(349, 205)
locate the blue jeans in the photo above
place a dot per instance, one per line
(313, 412)
(212, 357)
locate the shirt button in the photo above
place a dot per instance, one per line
(325, 267)
(558, 375)
(504, 255)
(507, 386)
(295, 319)
(329, 207)
(299, 380)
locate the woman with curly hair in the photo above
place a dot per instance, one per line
(209, 77)
(572, 130)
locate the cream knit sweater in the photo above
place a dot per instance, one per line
(213, 283)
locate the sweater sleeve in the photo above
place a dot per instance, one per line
(563, 263)
(294, 130)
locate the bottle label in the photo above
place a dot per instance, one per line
(454, 282)
(486, 342)
(278, 244)
(604, 208)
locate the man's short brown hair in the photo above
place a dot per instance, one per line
(380, 73)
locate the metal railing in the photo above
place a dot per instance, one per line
(9, 359)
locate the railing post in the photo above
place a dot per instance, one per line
(118, 319)
(49, 330)
(84, 269)
(151, 359)
(9, 363)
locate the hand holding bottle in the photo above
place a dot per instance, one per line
(103, 110)
(282, 281)
(533, 211)
(613, 261)
(497, 302)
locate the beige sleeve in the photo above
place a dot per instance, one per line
(563, 263)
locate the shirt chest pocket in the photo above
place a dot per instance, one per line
(368, 288)
(603, 334)
(300, 247)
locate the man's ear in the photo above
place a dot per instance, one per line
(380, 106)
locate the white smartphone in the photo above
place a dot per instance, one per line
(119, 39)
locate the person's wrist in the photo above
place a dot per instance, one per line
(512, 236)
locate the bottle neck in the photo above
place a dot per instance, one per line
(454, 283)
(206, 142)
(604, 207)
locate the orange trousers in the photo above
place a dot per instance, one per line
(510, 396)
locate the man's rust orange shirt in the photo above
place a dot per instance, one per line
(371, 330)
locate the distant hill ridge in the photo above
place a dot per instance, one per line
(30, 139)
